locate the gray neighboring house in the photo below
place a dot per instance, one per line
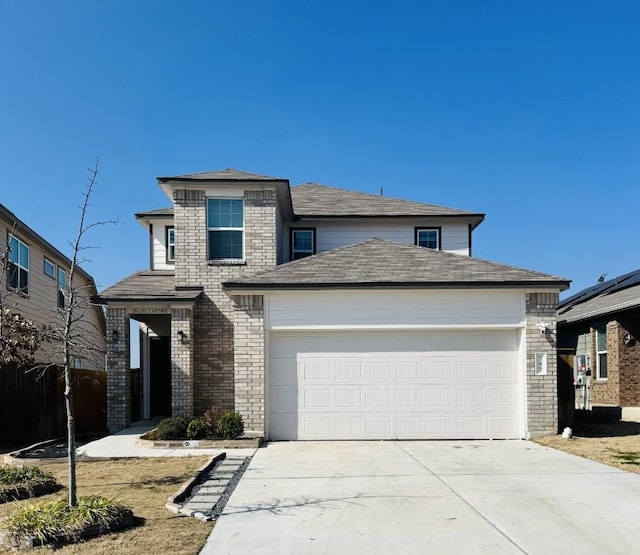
(322, 313)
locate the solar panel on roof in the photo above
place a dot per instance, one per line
(604, 288)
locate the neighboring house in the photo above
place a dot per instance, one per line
(321, 313)
(33, 284)
(600, 326)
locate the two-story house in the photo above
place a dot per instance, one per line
(34, 284)
(322, 313)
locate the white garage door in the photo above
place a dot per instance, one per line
(394, 385)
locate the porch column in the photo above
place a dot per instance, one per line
(181, 361)
(118, 370)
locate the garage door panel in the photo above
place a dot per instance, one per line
(437, 369)
(376, 371)
(330, 392)
(347, 370)
(315, 370)
(469, 370)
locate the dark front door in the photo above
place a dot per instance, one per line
(160, 375)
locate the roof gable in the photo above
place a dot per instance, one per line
(382, 263)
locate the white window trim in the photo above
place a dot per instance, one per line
(224, 260)
(19, 265)
(430, 229)
(598, 353)
(171, 230)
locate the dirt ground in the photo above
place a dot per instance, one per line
(613, 443)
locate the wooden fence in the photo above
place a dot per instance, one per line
(32, 404)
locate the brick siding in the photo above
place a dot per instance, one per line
(542, 390)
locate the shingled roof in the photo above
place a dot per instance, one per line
(315, 200)
(381, 263)
(148, 285)
(230, 174)
(615, 295)
(157, 213)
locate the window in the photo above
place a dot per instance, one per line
(225, 229)
(601, 351)
(18, 265)
(77, 363)
(428, 237)
(62, 284)
(303, 243)
(171, 244)
(49, 268)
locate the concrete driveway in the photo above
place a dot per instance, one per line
(416, 497)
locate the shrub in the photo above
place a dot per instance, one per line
(211, 418)
(31, 475)
(172, 428)
(49, 520)
(230, 425)
(197, 428)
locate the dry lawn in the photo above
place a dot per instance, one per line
(614, 443)
(143, 485)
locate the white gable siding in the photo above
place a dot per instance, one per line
(400, 308)
(159, 247)
(335, 234)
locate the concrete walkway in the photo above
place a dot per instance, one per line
(419, 497)
(122, 444)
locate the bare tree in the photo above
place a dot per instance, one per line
(71, 333)
(74, 335)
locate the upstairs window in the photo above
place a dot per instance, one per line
(601, 352)
(18, 265)
(62, 286)
(428, 237)
(225, 229)
(49, 268)
(171, 244)
(303, 243)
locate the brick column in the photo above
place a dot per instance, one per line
(249, 363)
(181, 361)
(542, 388)
(118, 370)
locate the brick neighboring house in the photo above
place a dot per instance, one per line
(33, 285)
(322, 313)
(600, 326)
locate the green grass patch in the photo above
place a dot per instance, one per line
(56, 522)
(628, 457)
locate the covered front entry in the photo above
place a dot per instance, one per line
(390, 384)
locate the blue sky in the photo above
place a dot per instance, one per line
(526, 111)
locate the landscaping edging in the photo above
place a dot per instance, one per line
(174, 502)
(15, 493)
(242, 443)
(14, 542)
(20, 458)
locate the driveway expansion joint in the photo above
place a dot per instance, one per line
(465, 501)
